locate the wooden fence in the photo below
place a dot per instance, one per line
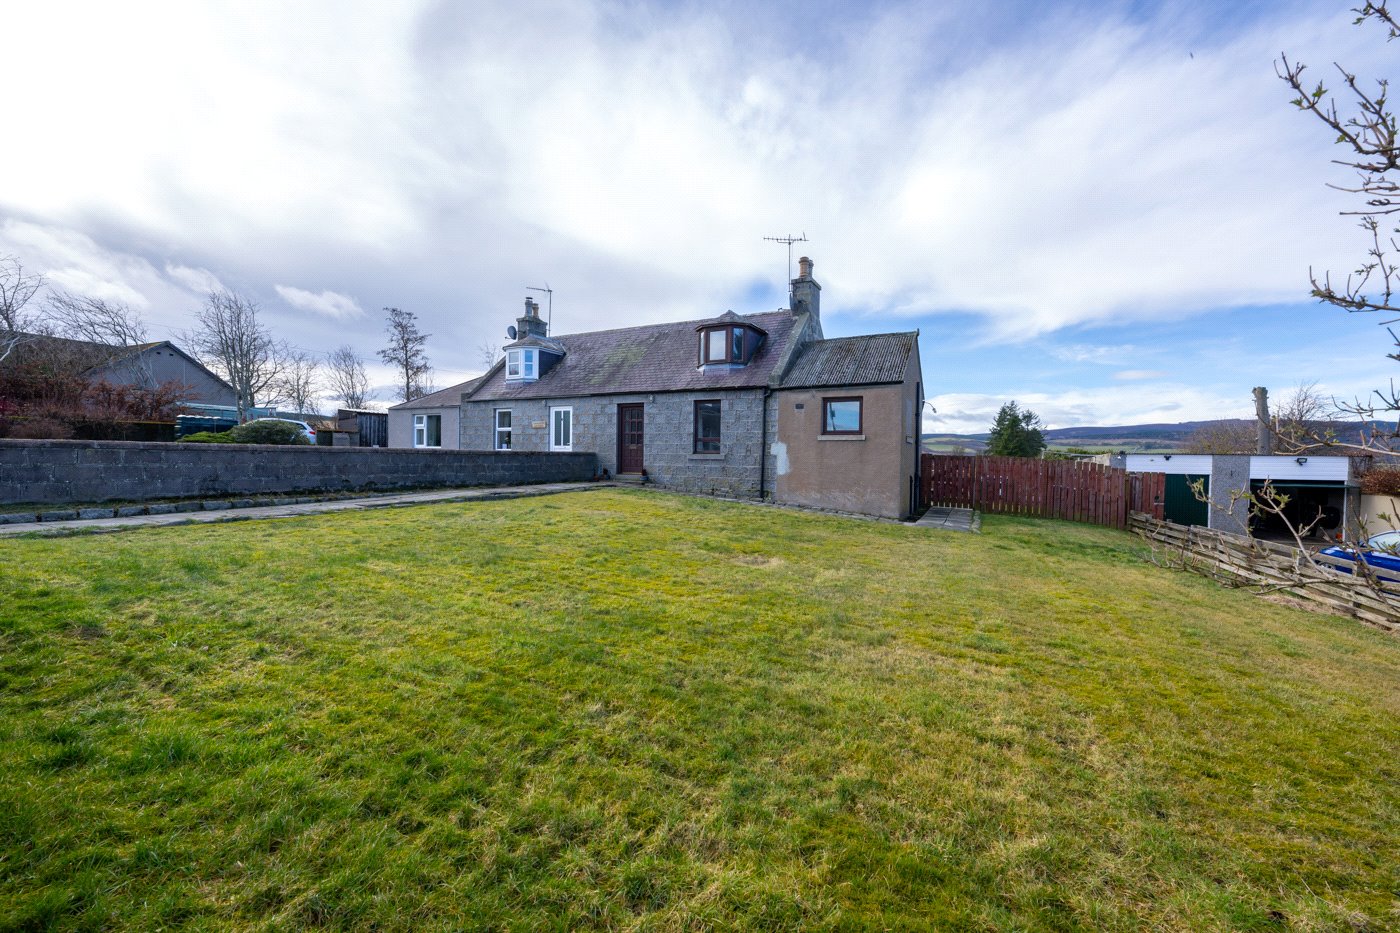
(1072, 490)
(1269, 566)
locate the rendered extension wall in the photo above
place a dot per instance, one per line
(1377, 514)
(98, 471)
(866, 473)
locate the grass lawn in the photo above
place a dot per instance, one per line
(625, 709)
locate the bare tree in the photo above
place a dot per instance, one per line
(1304, 420)
(1222, 437)
(299, 384)
(405, 352)
(17, 290)
(346, 379)
(488, 353)
(96, 320)
(1366, 127)
(105, 324)
(229, 339)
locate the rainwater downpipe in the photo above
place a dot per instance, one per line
(763, 449)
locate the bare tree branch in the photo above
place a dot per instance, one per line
(17, 290)
(229, 339)
(405, 352)
(1367, 127)
(299, 383)
(346, 379)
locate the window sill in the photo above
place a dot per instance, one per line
(719, 456)
(840, 437)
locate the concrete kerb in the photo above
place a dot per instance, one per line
(291, 509)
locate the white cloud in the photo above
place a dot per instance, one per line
(199, 281)
(449, 155)
(331, 304)
(71, 261)
(1093, 353)
(1133, 375)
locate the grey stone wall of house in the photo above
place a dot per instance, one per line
(669, 426)
(98, 471)
(1227, 474)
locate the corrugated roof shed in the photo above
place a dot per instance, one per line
(652, 358)
(847, 361)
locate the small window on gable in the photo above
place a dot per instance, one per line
(842, 415)
(427, 430)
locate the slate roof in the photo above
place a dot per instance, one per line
(869, 359)
(442, 398)
(651, 358)
(88, 357)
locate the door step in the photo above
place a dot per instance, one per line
(635, 479)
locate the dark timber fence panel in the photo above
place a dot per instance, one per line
(1073, 490)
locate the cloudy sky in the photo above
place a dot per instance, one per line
(1106, 211)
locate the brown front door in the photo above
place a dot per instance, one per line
(629, 438)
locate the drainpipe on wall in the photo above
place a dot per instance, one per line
(763, 448)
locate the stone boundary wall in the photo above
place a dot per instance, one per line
(46, 471)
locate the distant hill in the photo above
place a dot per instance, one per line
(1135, 438)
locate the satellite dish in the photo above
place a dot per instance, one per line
(510, 332)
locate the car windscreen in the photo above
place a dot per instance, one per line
(1385, 541)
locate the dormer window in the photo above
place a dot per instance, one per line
(522, 365)
(724, 345)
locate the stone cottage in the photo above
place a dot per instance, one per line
(753, 406)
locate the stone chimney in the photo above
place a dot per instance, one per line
(531, 324)
(806, 293)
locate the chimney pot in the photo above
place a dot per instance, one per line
(804, 267)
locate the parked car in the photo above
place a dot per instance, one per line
(1381, 551)
(307, 430)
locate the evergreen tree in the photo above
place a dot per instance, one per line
(1015, 433)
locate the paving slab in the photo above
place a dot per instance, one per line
(79, 526)
(952, 520)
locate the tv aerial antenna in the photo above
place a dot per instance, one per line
(789, 240)
(549, 321)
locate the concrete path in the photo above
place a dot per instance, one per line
(951, 520)
(286, 511)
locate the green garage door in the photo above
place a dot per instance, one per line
(1180, 504)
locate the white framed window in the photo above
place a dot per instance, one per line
(503, 424)
(427, 430)
(522, 364)
(561, 428)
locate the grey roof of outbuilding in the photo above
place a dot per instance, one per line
(651, 358)
(848, 361)
(442, 398)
